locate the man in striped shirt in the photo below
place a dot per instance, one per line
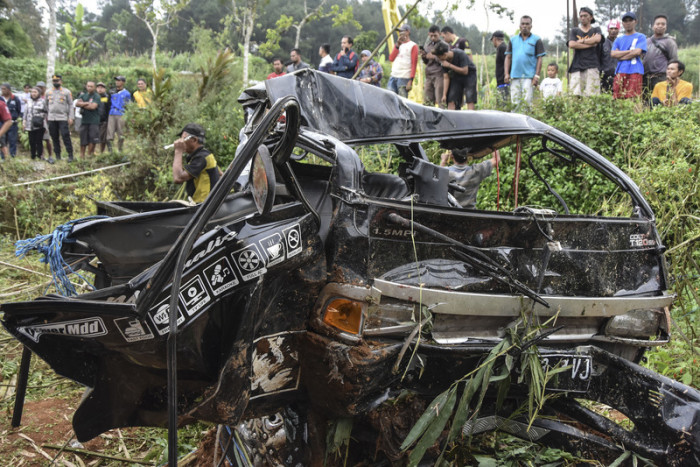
(199, 170)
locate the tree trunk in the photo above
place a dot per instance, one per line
(296, 40)
(248, 25)
(155, 47)
(51, 53)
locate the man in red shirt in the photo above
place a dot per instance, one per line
(6, 120)
(279, 69)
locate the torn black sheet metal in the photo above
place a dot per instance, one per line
(355, 112)
(251, 318)
(102, 342)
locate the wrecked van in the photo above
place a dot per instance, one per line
(303, 286)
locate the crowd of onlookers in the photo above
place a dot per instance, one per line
(625, 63)
(47, 115)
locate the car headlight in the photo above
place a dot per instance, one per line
(391, 317)
(344, 314)
(635, 324)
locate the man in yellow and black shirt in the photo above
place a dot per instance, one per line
(674, 90)
(200, 170)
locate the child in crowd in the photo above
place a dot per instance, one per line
(551, 85)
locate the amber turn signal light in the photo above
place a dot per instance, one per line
(344, 314)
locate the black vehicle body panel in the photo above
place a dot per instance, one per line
(252, 335)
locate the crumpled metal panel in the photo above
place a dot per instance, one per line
(352, 111)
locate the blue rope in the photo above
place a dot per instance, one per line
(50, 246)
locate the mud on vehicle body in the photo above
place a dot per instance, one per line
(301, 288)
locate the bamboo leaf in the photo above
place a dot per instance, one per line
(462, 413)
(623, 457)
(485, 461)
(433, 410)
(503, 389)
(434, 429)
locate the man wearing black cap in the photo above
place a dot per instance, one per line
(629, 50)
(200, 171)
(60, 104)
(498, 41)
(585, 67)
(116, 125)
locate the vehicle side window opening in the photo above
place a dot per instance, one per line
(551, 177)
(383, 158)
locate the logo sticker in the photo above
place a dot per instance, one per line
(221, 276)
(641, 240)
(194, 295)
(209, 250)
(133, 330)
(274, 247)
(89, 327)
(276, 367)
(293, 237)
(249, 262)
(160, 315)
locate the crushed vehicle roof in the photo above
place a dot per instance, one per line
(361, 113)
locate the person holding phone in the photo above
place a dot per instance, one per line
(405, 59)
(345, 63)
(200, 171)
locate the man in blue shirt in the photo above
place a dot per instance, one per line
(346, 61)
(115, 124)
(523, 62)
(629, 50)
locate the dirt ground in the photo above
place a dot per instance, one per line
(43, 422)
(48, 422)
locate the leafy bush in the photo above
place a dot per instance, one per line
(690, 56)
(14, 42)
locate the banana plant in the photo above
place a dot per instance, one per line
(77, 38)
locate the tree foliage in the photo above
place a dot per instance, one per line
(14, 42)
(683, 17)
(77, 40)
(157, 16)
(28, 16)
(340, 17)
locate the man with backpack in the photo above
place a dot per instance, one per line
(345, 63)
(14, 106)
(661, 49)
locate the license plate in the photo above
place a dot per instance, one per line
(577, 375)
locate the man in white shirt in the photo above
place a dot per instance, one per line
(326, 60)
(405, 59)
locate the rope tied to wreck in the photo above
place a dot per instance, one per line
(50, 247)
